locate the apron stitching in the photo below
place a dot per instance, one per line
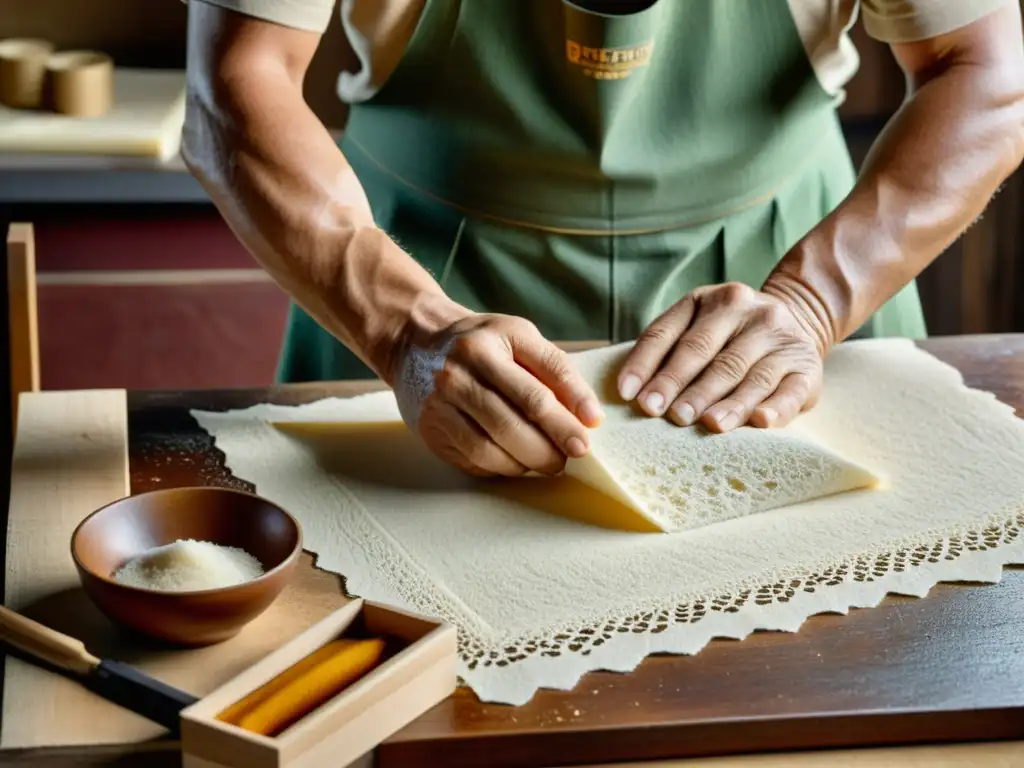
(450, 261)
(455, 27)
(613, 315)
(611, 231)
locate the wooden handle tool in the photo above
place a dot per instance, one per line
(117, 682)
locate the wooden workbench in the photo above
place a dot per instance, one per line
(949, 668)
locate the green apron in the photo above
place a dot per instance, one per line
(587, 168)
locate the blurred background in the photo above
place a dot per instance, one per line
(140, 284)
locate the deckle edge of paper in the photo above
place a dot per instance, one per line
(975, 553)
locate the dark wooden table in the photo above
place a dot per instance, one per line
(944, 669)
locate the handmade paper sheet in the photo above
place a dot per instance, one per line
(914, 479)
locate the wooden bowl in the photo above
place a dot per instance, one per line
(114, 534)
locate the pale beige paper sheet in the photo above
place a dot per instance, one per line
(542, 598)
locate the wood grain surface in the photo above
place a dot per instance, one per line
(22, 313)
(993, 755)
(943, 669)
(70, 458)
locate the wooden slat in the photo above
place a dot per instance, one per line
(70, 458)
(23, 325)
(991, 755)
(984, 755)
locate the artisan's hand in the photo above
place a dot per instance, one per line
(491, 396)
(727, 355)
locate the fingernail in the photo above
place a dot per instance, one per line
(684, 414)
(591, 413)
(575, 447)
(727, 420)
(629, 387)
(655, 403)
(770, 415)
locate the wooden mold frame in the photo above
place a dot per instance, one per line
(418, 676)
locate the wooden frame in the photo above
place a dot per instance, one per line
(351, 724)
(22, 312)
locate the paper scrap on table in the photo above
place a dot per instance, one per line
(541, 598)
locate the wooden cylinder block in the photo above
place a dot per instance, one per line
(23, 72)
(80, 83)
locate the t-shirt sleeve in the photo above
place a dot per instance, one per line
(308, 15)
(906, 21)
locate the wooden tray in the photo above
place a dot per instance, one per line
(351, 724)
(947, 668)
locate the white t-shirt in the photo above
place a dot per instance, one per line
(377, 32)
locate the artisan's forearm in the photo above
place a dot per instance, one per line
(928, 177)
(284, 188)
